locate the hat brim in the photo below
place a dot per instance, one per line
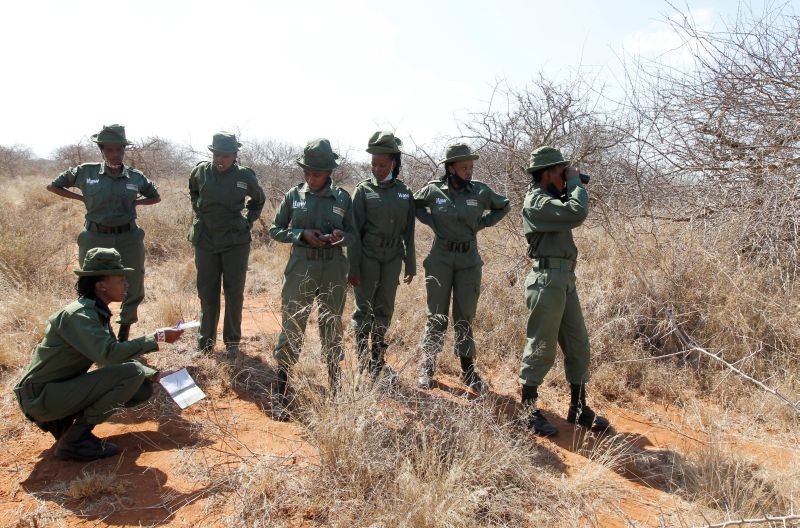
(469, 157)
(547, 165)
(301, 161)
(383, 150)
(221, 151)
(102, 273)
(125, 143)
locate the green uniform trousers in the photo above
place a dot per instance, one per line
(227, 269)
(374, 298)
(304, 280)
(458, 275)
(555, 317)
(130, 246)
(96, 394)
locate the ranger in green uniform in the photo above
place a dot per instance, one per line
(56, 390)
(221, 237)
(556, 203)
(383, 212)
(454, 208)
(316, 218)
(111, 193)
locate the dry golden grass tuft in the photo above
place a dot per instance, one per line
(93, 483)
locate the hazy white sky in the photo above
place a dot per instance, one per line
(297, 70)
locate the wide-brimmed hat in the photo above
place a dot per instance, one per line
(102, 262)
(384, 143)
(546, 156)
(111, 135)
(458, 152)
(318, 155)
(224, 143)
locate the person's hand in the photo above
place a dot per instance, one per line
(170, 334)
(336, 237)
(570, 172)
(311, 236)
(162, 374)
(407, 279)
(354, 281)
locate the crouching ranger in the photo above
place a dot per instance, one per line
(316, 218)
(58, 393)
(556, 203)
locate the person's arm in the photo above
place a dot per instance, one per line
(410, 257)
(280, 230)
(499, 206)
(421, 210)
(64, 180)
(551, 214)
(194, 189)
(359, 214)
(255, 202)
(150, 192)
(85, 333)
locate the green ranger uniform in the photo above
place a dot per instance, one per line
(313, 273)
(57, 382)
(555, 311)
(384, 217)
(111, 221)
(453, 266)
(221, 239)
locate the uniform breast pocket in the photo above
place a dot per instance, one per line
(237, 196)
(373, 204)
(131, 192)
(299, 218)
(335, 217)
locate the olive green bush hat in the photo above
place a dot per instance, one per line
(102, 262)
(224, 143)
(111, 135)
(384, 143)
(545, 156)
(458, 152)
(318, 155)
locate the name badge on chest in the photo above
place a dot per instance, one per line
(441, 201)
(90, 181)
(241, 185)
(298, 204)
(404, 196)
(338, 210)
(373, 196)
(132, 187)
(472, 203)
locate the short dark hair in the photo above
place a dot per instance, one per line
(85, 286)
(536, 176)
(397, 163)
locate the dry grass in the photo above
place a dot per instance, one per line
(406, 459)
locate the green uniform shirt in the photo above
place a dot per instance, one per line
(78, 336)
(108, 197)
(458, 215)
(384, 211)
(548, 221)
(329, 209)
(218, 200)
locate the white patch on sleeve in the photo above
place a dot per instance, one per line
(339, 211)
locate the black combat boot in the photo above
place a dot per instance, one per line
(377, 362)
(124, 332)
(280, 399)
(580, 413)
(78, 443)
(532, 417)
(362, 344)
(56, 427)
(334, 376)
(471, 378)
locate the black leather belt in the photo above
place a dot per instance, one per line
(378, 241)
(554, 263)
(110, 230)
(453, 246)
(323, 253)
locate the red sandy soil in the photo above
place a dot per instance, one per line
(157, 488)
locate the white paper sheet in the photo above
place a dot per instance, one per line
(187, 325)
(182, 388)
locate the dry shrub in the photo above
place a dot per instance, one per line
(92, 483)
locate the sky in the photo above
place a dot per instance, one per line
(293, 71)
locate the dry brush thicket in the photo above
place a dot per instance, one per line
(691, 244)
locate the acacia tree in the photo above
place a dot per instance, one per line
(13, 158)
